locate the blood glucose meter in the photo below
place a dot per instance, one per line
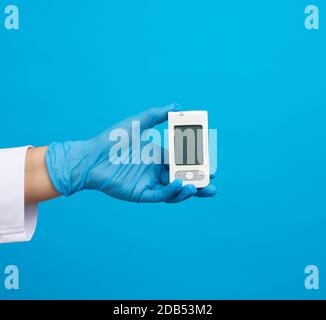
(188, 147)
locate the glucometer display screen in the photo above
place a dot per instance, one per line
(188, 145)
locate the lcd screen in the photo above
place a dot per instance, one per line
(188, 145)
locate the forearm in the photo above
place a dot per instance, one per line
(38, 186)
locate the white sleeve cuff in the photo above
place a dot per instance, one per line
(17, 221)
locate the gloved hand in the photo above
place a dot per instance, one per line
(77, 165)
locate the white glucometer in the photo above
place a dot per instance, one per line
(188, 147)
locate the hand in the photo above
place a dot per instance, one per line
(79, 165)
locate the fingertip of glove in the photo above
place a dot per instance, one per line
(209, 191)
(173, 107)
(212, 189)
(191, 188)
(177, 183)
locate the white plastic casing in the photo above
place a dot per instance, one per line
(185, 118)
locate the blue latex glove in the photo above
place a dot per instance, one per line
(85, 165)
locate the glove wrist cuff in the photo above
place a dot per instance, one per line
(67, 163)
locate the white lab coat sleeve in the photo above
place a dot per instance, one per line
(17, 221)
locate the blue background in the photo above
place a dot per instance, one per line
(77, 67)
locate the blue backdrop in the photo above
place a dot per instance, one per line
(77, 67)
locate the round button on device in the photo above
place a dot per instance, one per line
(189, 175)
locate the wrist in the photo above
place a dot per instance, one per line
(67, 164)
(38, 186)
